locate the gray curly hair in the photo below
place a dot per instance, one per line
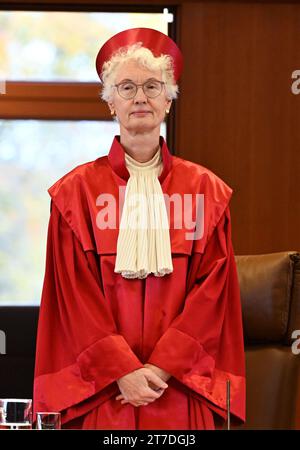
(145, 58)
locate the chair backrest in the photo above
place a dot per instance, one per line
(270, 295)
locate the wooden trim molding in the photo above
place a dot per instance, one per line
(127, 5)
(53, 100)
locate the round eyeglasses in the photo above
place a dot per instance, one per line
(128, 89)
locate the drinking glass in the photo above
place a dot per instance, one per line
(48, 421)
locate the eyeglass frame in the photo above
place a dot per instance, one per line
(162, 83)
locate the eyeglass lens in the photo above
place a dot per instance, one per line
(128, 89)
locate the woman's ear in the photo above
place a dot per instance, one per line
(168, 106)
(112, 108)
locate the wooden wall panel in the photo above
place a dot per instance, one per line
(238, 116)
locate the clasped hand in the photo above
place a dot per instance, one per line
(143, 385)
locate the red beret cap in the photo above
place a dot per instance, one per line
(159, 43)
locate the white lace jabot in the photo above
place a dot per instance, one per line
(143, 245)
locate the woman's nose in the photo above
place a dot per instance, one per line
(140, 95)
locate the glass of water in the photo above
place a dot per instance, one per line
(48, 421)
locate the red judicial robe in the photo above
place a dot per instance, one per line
(96, 326)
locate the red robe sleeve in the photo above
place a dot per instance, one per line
(76, 335)
(203, 346)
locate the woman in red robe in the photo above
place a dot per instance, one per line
(140, 327)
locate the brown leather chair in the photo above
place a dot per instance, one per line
(270, 295)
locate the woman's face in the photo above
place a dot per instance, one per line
(154, 109)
